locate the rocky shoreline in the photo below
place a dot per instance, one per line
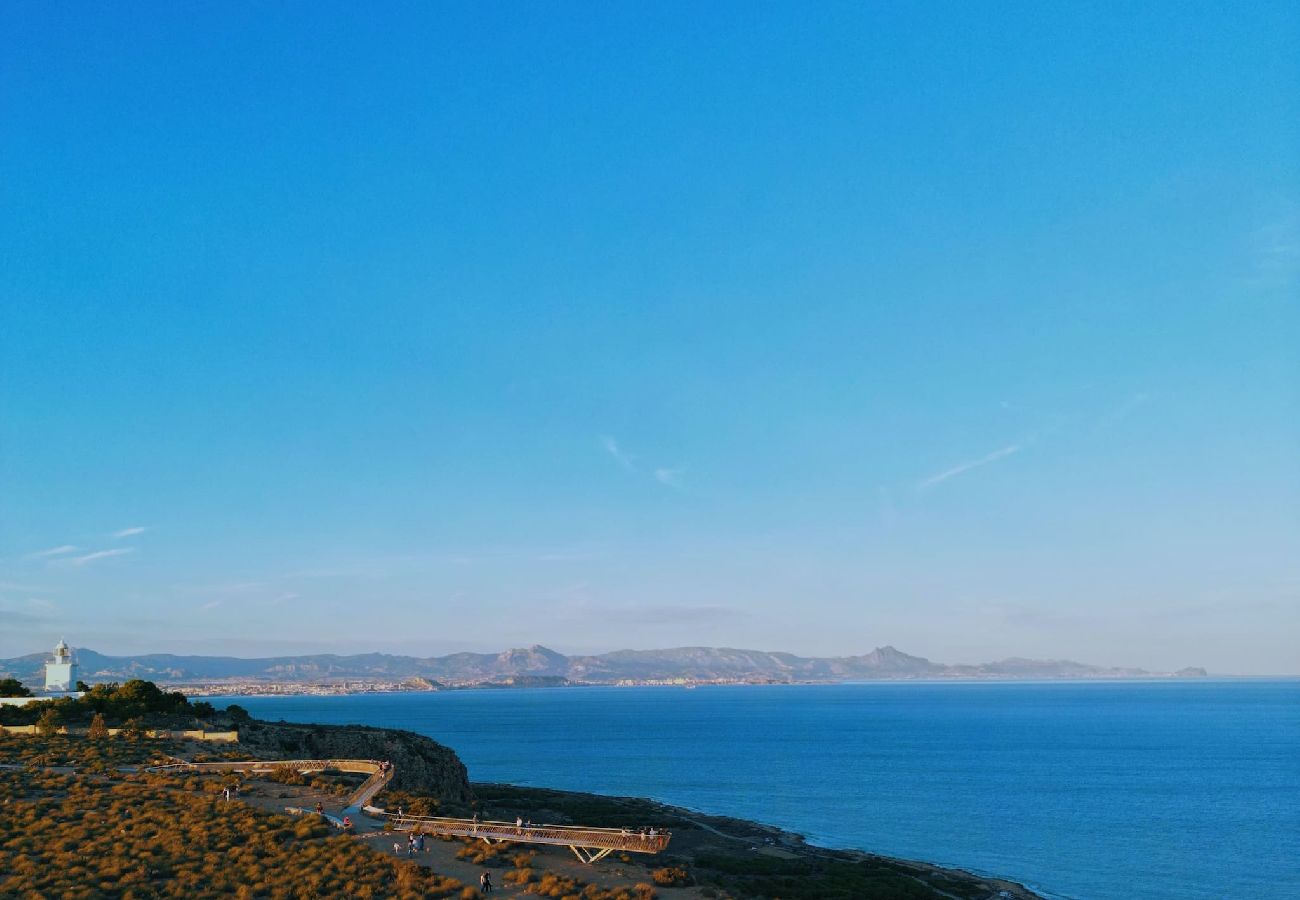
(739, 857)
(699, 837)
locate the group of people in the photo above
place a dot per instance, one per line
(645, 834)
(414, 845)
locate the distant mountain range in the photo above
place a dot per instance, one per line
(540, 665)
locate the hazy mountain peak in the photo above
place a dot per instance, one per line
(672, 664)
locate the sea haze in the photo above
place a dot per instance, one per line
(1106, 791)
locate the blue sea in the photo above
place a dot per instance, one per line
(1106, 791)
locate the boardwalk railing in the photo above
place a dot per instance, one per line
(379, 775)
(588, 844)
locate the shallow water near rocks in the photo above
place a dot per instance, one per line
(1105, 791)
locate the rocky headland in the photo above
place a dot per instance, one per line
(421, 765)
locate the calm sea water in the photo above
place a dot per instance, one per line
(1080, 790)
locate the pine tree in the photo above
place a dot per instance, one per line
(97, 727)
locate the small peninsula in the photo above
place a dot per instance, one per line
(135, 792)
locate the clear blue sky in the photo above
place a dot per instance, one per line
(794, 326)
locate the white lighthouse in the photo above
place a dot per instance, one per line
(61, 671)
(60, 679)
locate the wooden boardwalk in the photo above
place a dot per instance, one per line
(379, 775)
(588, 844)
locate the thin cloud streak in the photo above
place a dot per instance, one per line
(613, 449)
(967, 466)
(129, 532)
(54, 551)
(670, 477)
(101, 554)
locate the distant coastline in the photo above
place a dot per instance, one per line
(329, 689)
(541, 667)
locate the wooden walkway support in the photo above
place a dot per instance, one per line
(588, 844)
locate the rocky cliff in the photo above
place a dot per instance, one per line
(422, 766)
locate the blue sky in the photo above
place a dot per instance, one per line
(815, 328)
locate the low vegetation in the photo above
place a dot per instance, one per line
(150, 836)
(671, 876)
(115, 704)
(12, 687)
(412, 804)
(86, 754)
(551, 884)
(806, 878)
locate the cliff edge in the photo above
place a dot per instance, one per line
(422, 766)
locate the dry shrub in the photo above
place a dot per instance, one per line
(287, 775)
(142, 836)
(674, 876)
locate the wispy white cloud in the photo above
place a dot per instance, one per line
(623, 458)
(101, 554)
(962, 468)
(61, 550)
(130, 532)
(669, 476)
(211, 604)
